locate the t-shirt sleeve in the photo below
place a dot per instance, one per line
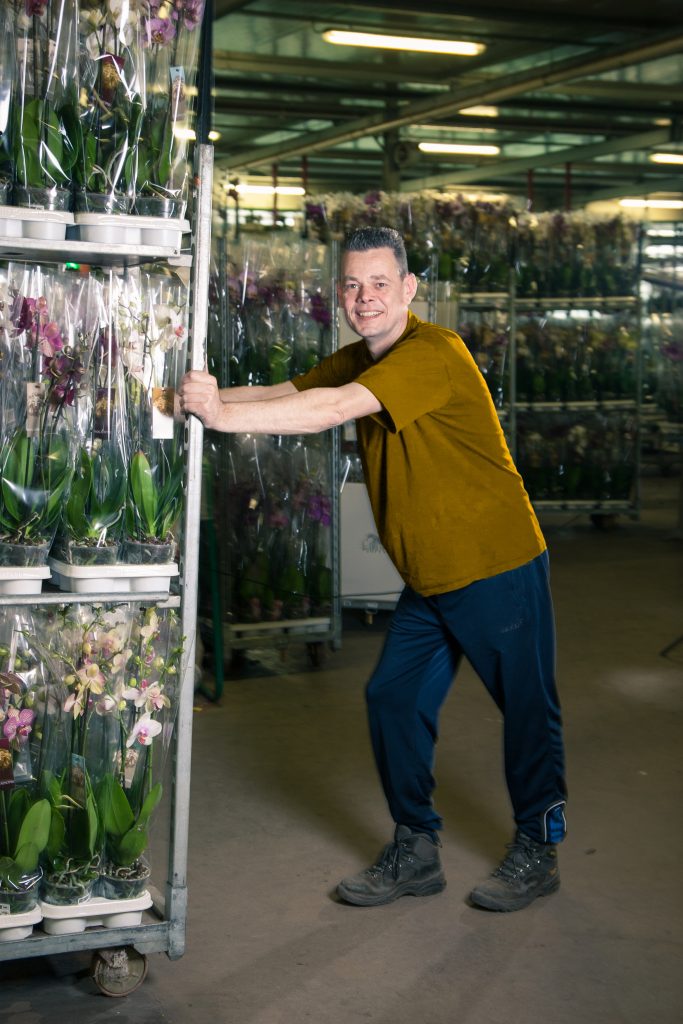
(410, 381)
(332, 372)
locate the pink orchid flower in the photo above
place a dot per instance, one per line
(18, 724)
(144, 731)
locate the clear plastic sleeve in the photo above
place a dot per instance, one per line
(44, 102)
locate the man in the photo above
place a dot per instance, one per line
(453, 515)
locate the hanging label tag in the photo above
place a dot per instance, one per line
(130, 766)
(178, 94)
(35, 398)
(6, 764)
(163, 401)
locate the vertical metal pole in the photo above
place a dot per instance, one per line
(336, 469)
(274, 195)
(205, 81)
(512, 356)
(176, 890)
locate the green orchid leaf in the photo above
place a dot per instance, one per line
(17, 809)
(81, 486)
(35, 828)
(57, 834)
(143, 492)
(131, 846)
(52, 149)
(93, 820)
(27, 858)
(117, 816)
(151, 801)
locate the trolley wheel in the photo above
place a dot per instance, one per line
(118, 972)
(316, 653)
(607, 522)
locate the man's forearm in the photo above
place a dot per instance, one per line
(307, 412)
(257, 392)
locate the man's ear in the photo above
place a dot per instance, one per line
(409, 287)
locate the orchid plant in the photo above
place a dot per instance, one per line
(152, 333)
(107, 129)
(45, 96)
(128, 795)
(170, 31)
(24, 819)
(86, 650)
(35, 456)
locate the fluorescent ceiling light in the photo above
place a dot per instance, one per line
(458, 147)
(652, 204)
(457, 47)
(268, 190)
(479, 111)
(666, 158)
(189, 134)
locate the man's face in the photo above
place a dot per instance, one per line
(375, 297)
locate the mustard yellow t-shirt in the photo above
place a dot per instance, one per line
(449, 504)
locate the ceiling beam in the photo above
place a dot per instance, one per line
(511, 85)
(479, 14)
(491, 170)
(223, 7)
(305, 67)
(635, 188)
(634, 93)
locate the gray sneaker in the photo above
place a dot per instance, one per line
(410, 866)
(529, 870)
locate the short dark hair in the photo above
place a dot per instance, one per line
(363, 239)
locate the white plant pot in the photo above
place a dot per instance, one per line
(114, 579)
(19, 926)
(29, 222)
(96, 912)
(130, 230)
(23, 579)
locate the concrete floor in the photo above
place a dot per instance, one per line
(285, 802)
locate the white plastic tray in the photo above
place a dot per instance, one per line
(19, 926)
(23, 579)
(31, 222)
(128, 228)
(115, 579)
(95, 912)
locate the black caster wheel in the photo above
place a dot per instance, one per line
(316, 654)
(118, 972)
(607, 523)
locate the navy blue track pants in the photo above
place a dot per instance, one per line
(505, 628)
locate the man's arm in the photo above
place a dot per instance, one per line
(288, 412)
(257, 392)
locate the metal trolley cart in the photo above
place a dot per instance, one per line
(119, 953)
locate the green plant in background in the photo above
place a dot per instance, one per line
(154, 496)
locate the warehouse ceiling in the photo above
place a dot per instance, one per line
(577, 96)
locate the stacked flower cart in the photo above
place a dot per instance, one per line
(102, 309)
